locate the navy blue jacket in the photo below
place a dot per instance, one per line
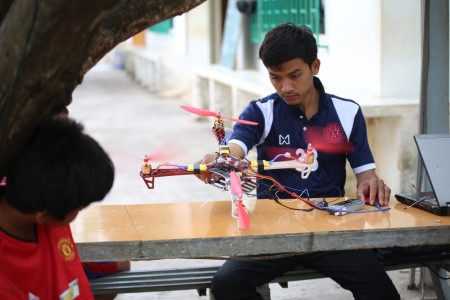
(283, 126)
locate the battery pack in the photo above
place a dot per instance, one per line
(341, 208)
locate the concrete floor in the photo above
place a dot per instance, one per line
(129, 122)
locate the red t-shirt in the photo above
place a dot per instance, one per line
(48, 269)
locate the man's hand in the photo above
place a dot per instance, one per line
(208, 158)
(369, 185)
(235, 150)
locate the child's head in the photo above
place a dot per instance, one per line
(286, 42)
(60, 170)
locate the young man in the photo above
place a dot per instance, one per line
(57, 173)
(299, 106)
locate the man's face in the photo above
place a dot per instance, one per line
(293, 80)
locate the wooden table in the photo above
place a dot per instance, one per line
(207, 230)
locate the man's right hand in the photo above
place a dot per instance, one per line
(235, 150)
(205, 176)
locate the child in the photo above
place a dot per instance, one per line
(58, 172)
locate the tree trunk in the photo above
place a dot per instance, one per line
(46, 47)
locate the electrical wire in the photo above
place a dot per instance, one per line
(313, 204)
(344, 211)
(435, 272)
(273, 190)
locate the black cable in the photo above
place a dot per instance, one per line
(277, 200)
(434, 271)
(407, 257)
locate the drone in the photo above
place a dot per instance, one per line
(229, 173)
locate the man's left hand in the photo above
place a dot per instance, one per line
(369, 185)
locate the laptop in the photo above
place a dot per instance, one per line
(434, 152)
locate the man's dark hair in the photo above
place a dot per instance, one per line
(59, 170)
(286, 42)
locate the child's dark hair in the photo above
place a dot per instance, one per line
(286, 42)
(59, 170)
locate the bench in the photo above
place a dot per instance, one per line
(199, 278)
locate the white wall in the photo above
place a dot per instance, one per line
(351, 64)
(167, 62)
(400, 49)
(198, 26)
(373, 49)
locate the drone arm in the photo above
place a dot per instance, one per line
(260, 165)
(197, 168)
(304, 168)
(288, 164)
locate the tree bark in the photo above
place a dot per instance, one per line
(46, 47)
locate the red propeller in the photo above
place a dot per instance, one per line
(207, 113)
(236, 188)
(235, 184)
(164, 153)
(243, 216)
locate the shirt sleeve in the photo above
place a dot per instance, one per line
(245, 135)
(361, 159)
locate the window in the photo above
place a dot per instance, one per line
(270, 13)
(162, 27)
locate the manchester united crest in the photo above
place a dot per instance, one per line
(66, 249)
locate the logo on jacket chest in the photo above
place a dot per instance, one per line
(284, 140)
(332, 133)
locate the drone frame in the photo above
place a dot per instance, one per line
(228, 172)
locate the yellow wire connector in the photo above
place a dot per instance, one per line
(197, 168)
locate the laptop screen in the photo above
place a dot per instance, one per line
(434, 151)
